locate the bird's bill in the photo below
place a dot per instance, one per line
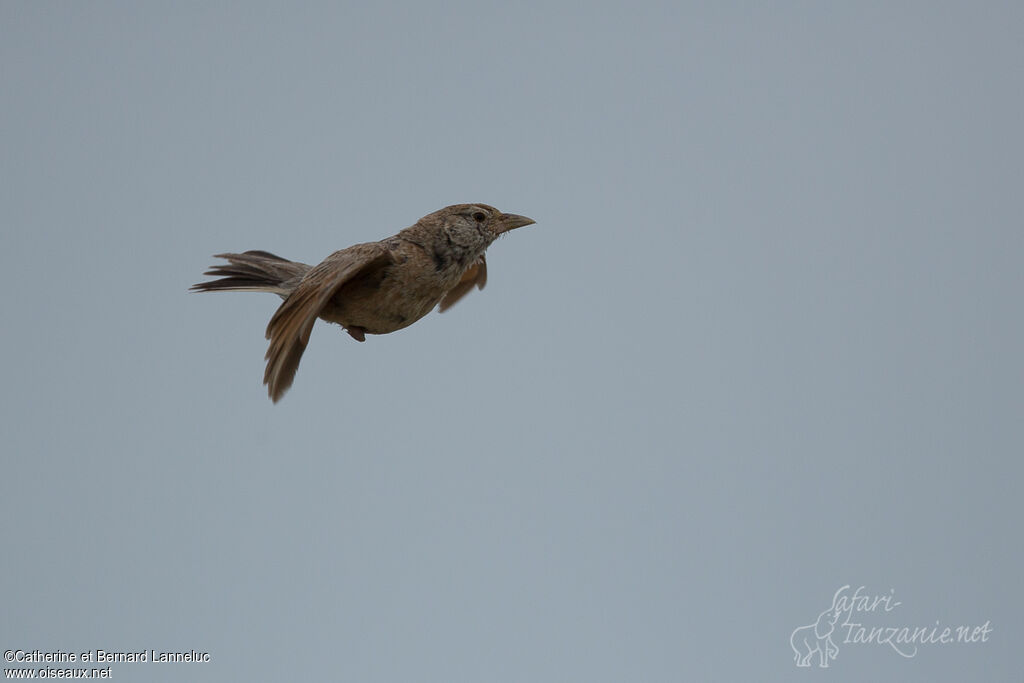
(510, 221)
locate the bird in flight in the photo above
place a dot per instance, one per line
(370, 288)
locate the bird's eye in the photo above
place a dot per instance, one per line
(479, 216)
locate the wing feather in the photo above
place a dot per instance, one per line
(290, 326)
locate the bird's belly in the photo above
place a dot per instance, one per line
(382, 307)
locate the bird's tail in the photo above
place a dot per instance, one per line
(253, 271)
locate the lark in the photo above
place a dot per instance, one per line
(370, 288)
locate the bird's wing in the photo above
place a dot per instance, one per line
(289, 328)
(475, 275)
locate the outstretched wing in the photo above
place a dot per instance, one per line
(475, 275)
(289, 328)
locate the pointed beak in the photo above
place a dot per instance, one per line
(510, 221)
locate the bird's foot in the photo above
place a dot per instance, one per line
(356, 332)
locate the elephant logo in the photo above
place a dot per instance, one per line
(816, 638)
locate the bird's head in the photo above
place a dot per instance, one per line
(475, 225)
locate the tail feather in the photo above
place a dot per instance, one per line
(253, 271)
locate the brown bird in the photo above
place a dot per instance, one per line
(371, 288)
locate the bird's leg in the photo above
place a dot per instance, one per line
(356, 332)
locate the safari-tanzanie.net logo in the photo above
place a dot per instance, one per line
(859, 618)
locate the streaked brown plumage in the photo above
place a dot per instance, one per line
(370, 288)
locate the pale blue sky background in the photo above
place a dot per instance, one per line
(764, 340)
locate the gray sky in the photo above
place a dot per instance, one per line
(763, 342)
